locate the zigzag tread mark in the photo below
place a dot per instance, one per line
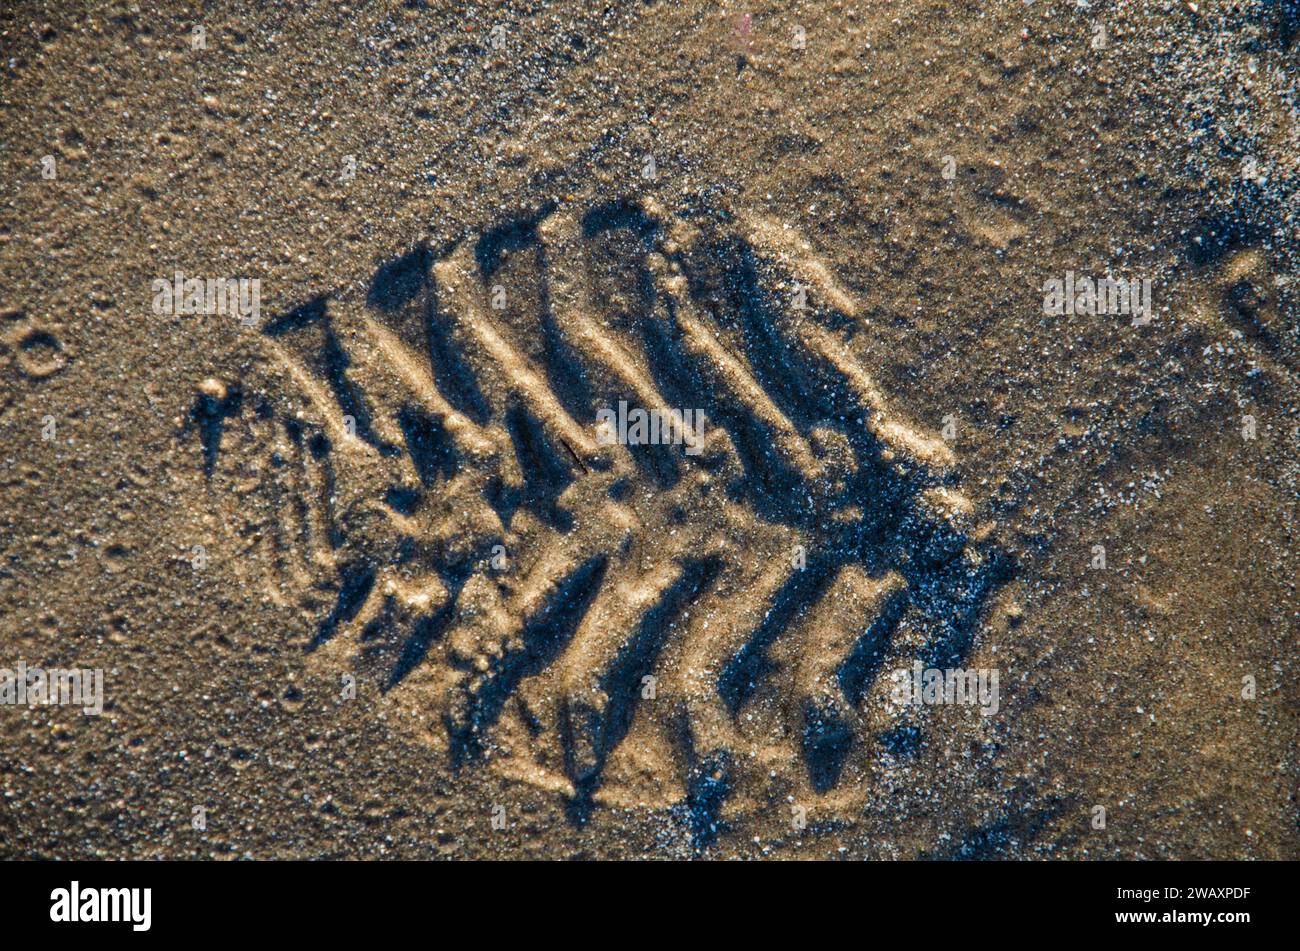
(547, 590)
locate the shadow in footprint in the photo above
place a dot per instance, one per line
(208, 415)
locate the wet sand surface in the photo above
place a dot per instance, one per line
(366, 576)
